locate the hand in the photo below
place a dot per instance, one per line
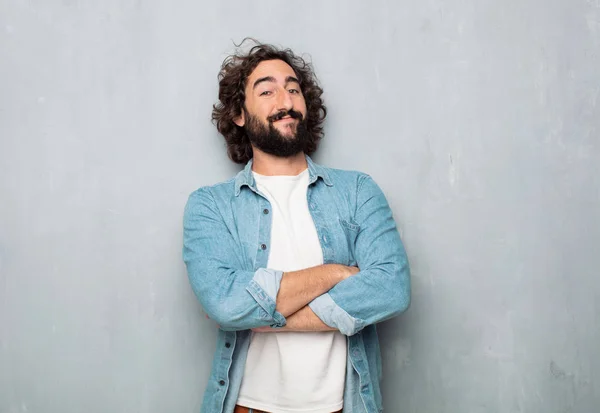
(265, 329)
(350, 271)
(208, 318)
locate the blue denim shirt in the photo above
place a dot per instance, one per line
(226, 239)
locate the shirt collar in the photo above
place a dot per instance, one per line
(315, 171)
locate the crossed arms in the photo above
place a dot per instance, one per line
(327, 297)
(298, 288)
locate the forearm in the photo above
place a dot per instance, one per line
(246, 306)
(302, 320)
(298, 288)
(382, 288)
(372, 296)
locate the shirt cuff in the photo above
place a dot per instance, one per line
(264, 287)
(334, 316)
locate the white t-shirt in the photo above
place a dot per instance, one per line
(293, 372)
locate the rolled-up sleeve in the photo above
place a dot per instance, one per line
(264, 288)
(235, 298)
(335, 316)
(381, 289)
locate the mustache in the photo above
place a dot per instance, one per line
(280, 115)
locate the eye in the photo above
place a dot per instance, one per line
(293, 91)
(265, 93)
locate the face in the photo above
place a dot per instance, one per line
(274, 116)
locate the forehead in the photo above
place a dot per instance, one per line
(278, 69)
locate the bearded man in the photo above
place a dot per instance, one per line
(294, 261)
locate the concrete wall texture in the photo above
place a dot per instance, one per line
(480, 120)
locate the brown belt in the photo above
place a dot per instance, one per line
(242, 409)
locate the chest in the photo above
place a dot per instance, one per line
(322, 217)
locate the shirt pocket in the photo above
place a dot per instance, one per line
(351, 230)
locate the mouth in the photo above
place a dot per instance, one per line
(284, 119)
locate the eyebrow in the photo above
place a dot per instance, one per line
(272, 79)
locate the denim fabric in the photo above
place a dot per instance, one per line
(226, 239)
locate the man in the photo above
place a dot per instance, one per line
(294, 261)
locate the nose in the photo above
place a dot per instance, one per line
(284, 100)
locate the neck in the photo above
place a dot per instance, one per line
(270, 165)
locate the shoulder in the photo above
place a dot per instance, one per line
(209, 197)
(348, 179)
(355, 187)
(215, 190)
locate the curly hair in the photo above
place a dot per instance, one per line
(233, 76)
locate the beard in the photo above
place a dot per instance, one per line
(268, 139)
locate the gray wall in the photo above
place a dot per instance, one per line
(480, 120)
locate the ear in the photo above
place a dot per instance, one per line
(240, 120)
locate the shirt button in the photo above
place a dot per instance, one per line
(227, 345)
(263, 246)
(222, 382)
(265, 211)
